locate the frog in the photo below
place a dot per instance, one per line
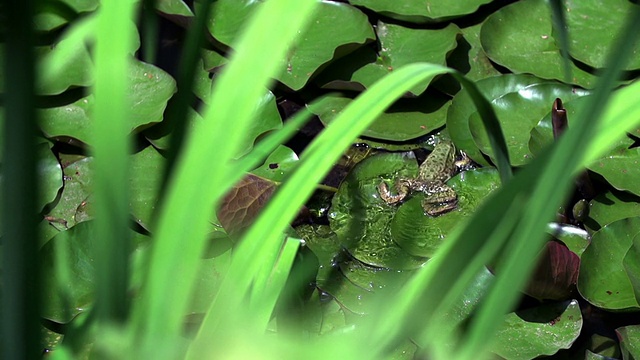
(437, 168)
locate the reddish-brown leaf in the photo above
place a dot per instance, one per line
(556, 274)
(243, 202)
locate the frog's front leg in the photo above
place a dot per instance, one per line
(402, 187)
(440, 198)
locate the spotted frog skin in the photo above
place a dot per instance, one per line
(439, 166)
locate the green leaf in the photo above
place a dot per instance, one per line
(173, 7)
(602, 280)
(631, 264)
(278, 165)
(60, 12)
(421, 11)
(78, 181)
(316, 45)
(421, 235)
(542, 330)
(611, 206)
(150, 89)
(362, 220)
(147, 167)
(406, 119)
(592, 25)
(520, 37)
(398, 46)
(629, 341)
(519, 110)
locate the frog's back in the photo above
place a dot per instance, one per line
(440, 164)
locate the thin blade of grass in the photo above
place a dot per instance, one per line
(274, 283)
(559, 23)
(203, 167)
(20, 278)
(111, 149)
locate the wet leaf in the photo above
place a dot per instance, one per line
(629, 341)
(406, 119)
(542, 330)
(631, 264)
(575, 238)
(173, 7)
(602, 280)
(556, 273)
(421, 11)
(362, 220)
(420, 234)
(149, 92)
(244, 201)
(520, 37)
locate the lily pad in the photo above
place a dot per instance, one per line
(66, 10)
(278, 164)
(629, 341)
(316, 45)
(421, 11)
(420, 234)
(77, 188)
(519, 111)
(593, 26)
(71, 292)
(575, 238)
(398, 46)
(631, 264)
(462, 108)
(611, 206)
(173, 7)
(542, 330)
(149, 91)
(68, 63)
(406, 119)
(147, 167)
(603, 280)
(620, 166)
(519, 37)
(267, 117)
(362, 220)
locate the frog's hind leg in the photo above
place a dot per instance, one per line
(442, 200)
(402, 188)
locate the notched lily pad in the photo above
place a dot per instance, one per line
(519, 110)
(278, 164)
(603, 280)
(611, 206)
(593, 25)
(398, 46)
(77, 184)
(243, 202)
(542, 330)
(519, 37)
(148, 93)
(406, 119)
(316, 45)
(362, 220)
